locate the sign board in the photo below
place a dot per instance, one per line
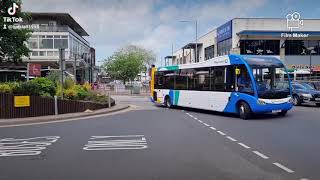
(21, 101)
(237, 71)
(34, 69)
(224, 32)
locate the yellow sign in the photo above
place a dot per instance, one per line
(21, 101)
(237, 71)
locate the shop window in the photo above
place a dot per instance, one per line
(224, 47)
(46, 43)
(299, 47)
(260, 47)
(209, 52)
(60, 43)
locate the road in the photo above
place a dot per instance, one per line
(154, 143)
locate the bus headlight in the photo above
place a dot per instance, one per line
(307, 95)
(261, 102)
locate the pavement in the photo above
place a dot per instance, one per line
(153, 143)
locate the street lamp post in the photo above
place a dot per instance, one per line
(311, 51)
(196, 49)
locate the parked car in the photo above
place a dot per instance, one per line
(304, 93)
(314, 84)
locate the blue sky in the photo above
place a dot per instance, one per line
(155, 24)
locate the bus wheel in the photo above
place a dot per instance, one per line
(167, 102)
(296, 100)
(244, 110)
(283, 113)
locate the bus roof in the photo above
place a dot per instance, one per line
(227, 60)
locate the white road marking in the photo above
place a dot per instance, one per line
(195, 118)
(222, 133)
(100, 143)
(232, 139)
(25, 147)
(243, 145)
(200, 121)
(213, 128)
(188, 114)
(283, 167)
(206, 124)
(260, 154)
(304, 179)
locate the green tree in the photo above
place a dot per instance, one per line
(126, 63)
(12, 41)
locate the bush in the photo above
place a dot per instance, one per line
(69, 83)
(46, 86)
(87, 86)
(96, 97)
(8, 87)
(70, 94)
(28, 88)
(54, 76)
(82, 92)
(5, 88)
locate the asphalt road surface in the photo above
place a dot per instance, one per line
(154, 143)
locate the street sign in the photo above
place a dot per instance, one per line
(21, 101)
(34, 69)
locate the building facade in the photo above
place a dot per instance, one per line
(295, 41)
(54, 31)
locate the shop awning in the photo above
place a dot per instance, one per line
(192, 45)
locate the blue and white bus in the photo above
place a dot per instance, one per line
(232, 84)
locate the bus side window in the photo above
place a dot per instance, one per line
(169, 79)
(230, 80)
(218, 79)
(191, 79)
(181, 80)
(202, 78)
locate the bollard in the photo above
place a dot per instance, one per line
(109, 100)
(55, 105)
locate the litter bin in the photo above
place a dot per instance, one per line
(136, 89)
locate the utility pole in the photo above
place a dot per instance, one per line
(172, 54)
(310, 49)
(196, 41)
(196, 48)
(28, 73)
(61, 58)
(75, 68)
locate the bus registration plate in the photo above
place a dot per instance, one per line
(276, 111)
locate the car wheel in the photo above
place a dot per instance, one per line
(244, 111)
(318, 104)
(168, 102)
(296, 100)
(283, 113)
